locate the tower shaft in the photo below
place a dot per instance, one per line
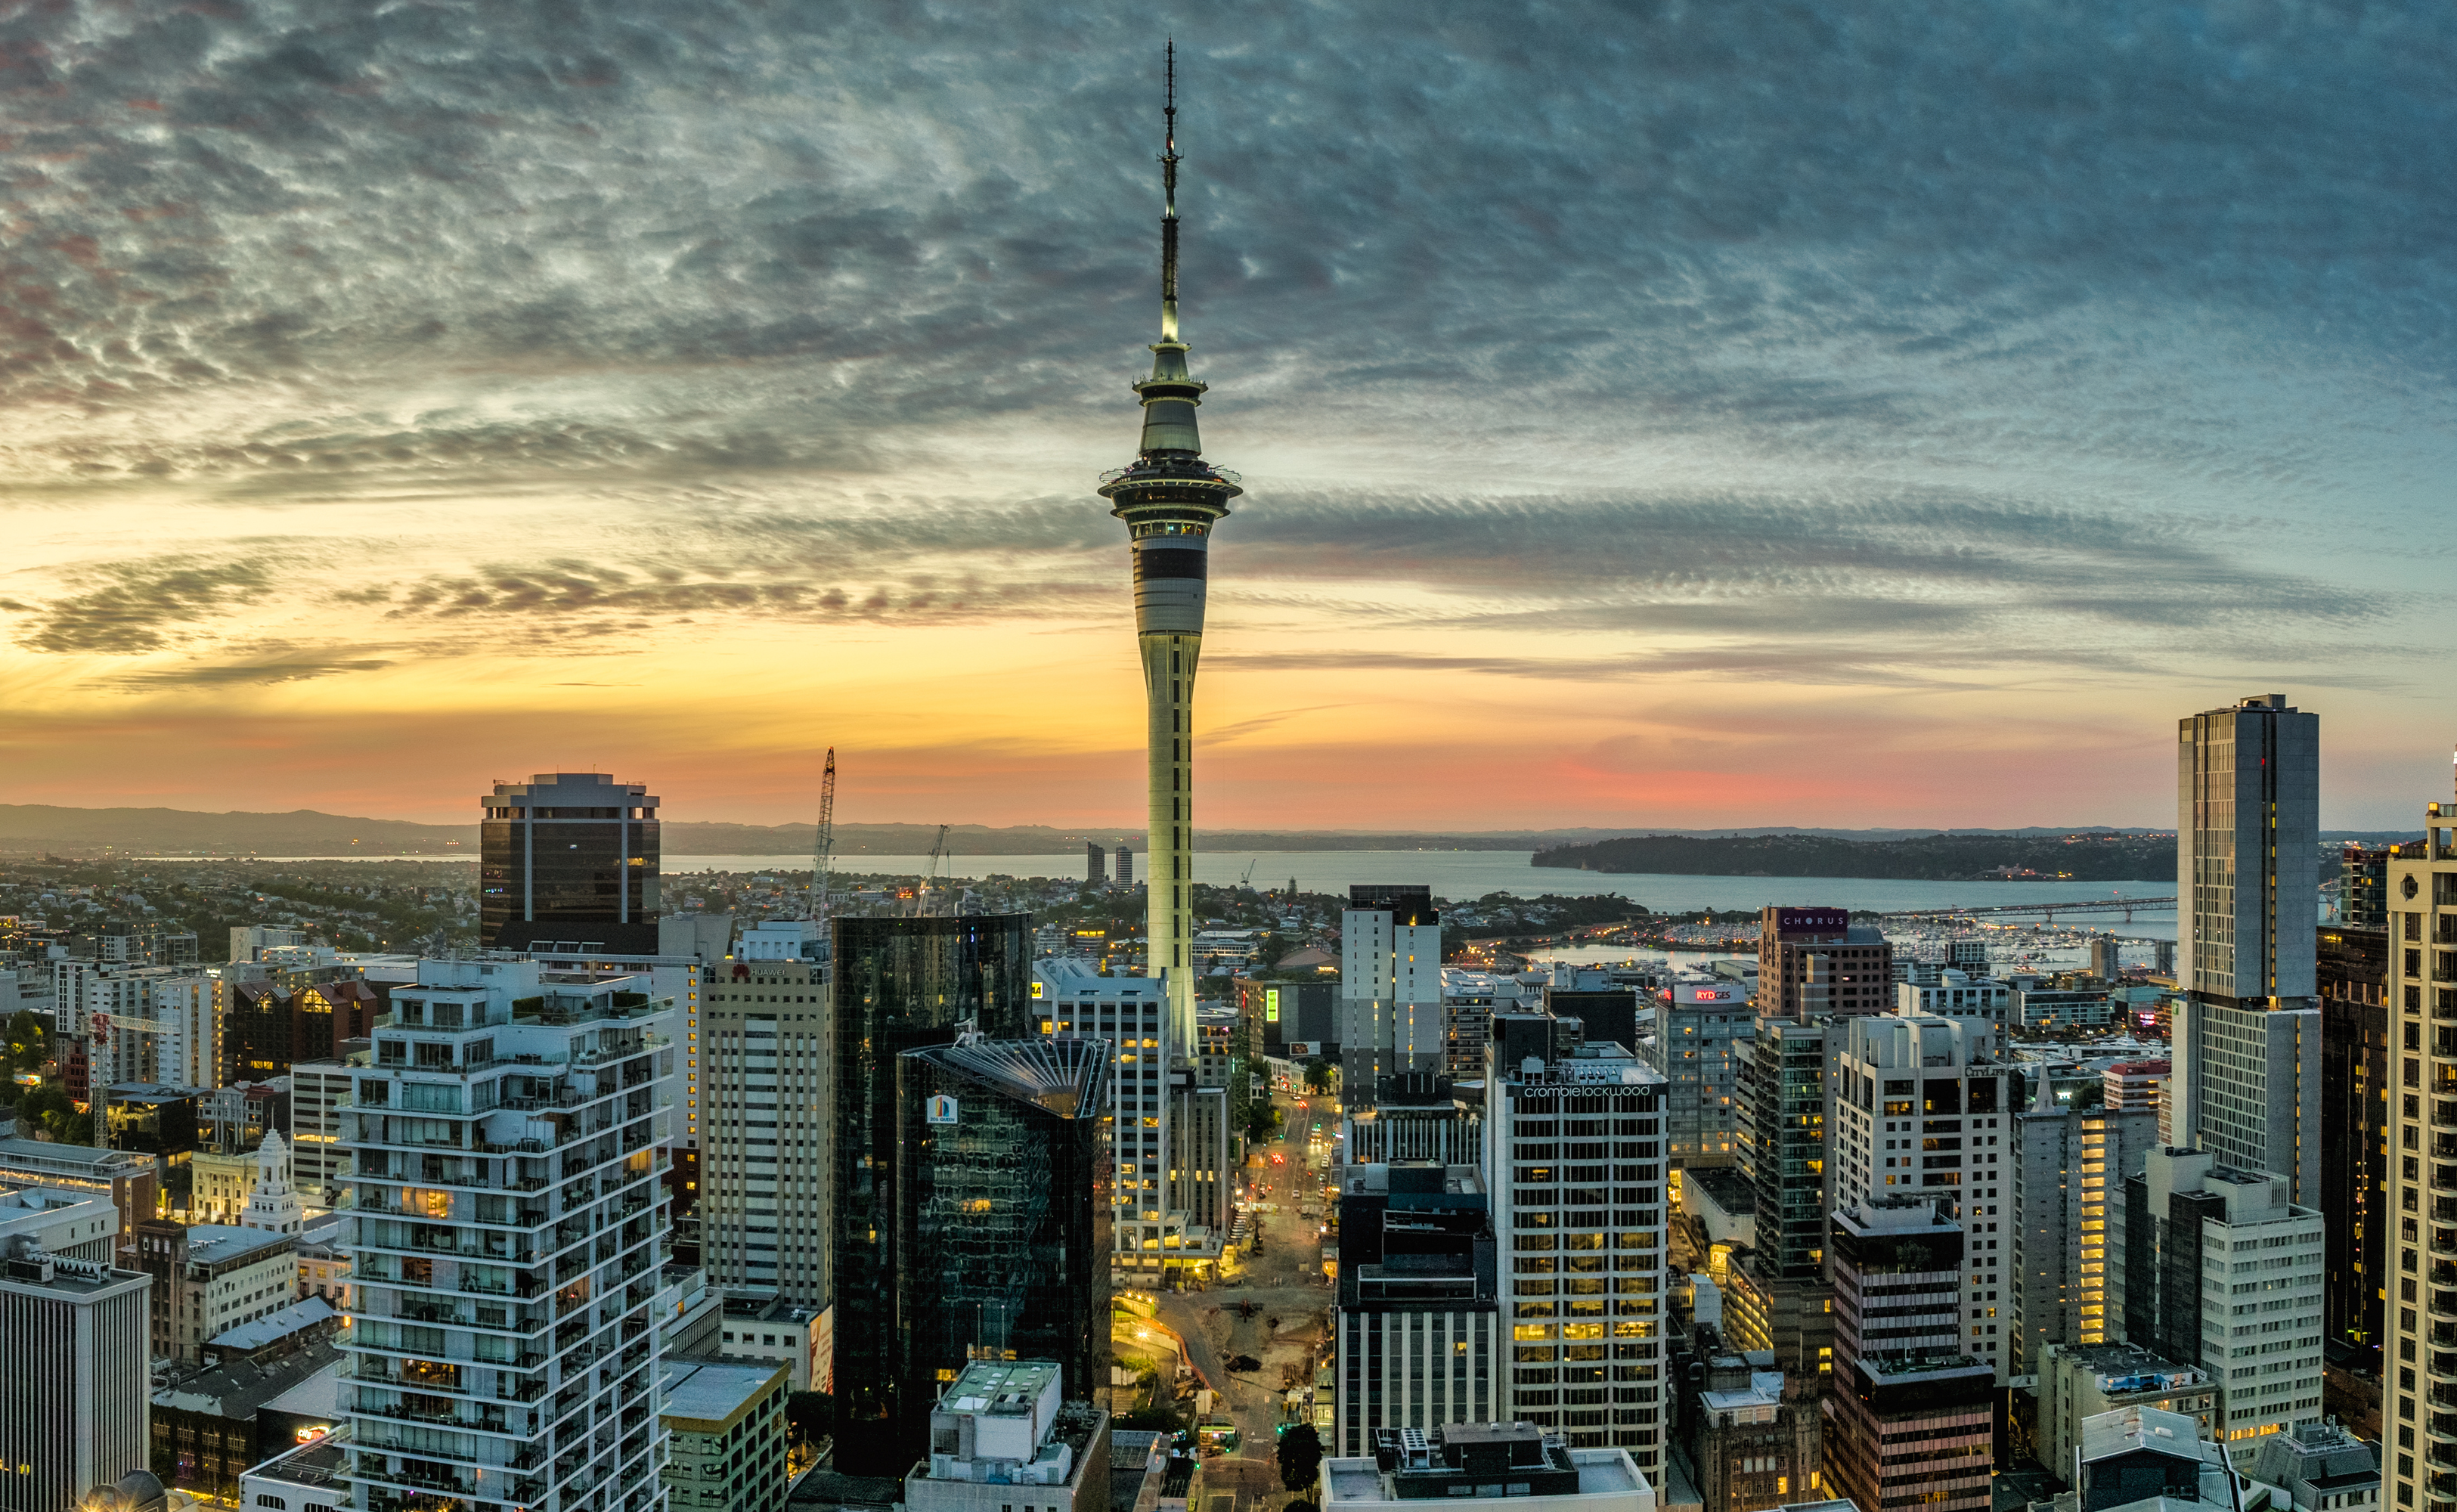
(1171, 498)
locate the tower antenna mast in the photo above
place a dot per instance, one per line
(1168, 201)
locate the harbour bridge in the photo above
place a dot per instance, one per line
(2070, 908)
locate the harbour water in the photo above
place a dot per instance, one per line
(1461, 875)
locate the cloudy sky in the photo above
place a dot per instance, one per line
(1650, 414)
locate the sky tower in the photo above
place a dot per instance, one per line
(1171, 498)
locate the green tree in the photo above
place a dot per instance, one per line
(1318, 1075)
(1300, 1457)
(809, 1415)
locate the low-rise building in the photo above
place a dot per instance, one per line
(2322, 1468)
(727, 1426)
(125, 1177)
(772, 1331)
(306, 1479)
(73, 1225)
(1751, 1438)
(2142, 1459)
(1485, 1467)
(1003, 1437)
(206, 1432)
(210, 1277)
(2078, 1382)
(2137, 1087)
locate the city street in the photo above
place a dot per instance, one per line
(1283, 1285)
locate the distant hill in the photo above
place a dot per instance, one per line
(2102, 856)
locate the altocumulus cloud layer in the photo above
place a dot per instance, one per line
(2110, 338)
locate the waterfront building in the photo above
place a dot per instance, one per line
(2078, 1382)
(2247, 1044)
(1391, 1012)
(898, 984)
(1004, 1433)
(508, 1140)
(724, 1424)
(74, 1395)
(1002, 1211)
(1418, 1334)
(1577, 1186)
(1957, 994)
(1700, 1042)
(571, 858)
(2068, 1168)
(2135, 1087)
(1485, 1467)
(1915, 1109)
(1813, 962)
(1912, 1415)
(2352, 976)
(1126, 865)
(1096, 864)
(2363, 887)
(2218, 1268)
(1170, 1206)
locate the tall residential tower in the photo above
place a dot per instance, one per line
(1169, 498)
(2247, 1061)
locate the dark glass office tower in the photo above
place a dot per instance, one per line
(2352, 973)
(569, 856)
(900, 984)
(1002, 1215)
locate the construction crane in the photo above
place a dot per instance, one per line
(937, 854)
(1246, 883)
(823, 849)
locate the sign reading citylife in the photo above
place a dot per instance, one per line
(942, 1109)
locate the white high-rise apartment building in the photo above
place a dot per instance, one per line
(1170, 1204)
(1914, 1108)
(2217, 1268)
(508, 1141)
(1576, 1182)
(2420, 1409)
(2069, 1171)
(1390, 1013)
(767, 1063)
(2247, 1059)
(142, 1024)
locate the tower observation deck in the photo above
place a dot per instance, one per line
(1171, 498)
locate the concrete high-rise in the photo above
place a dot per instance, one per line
(1914, 1108)
(898, 984)
(1418, 1334)
(1170, 498)
(765, 1180)
(1576, 1192)
(2247, 1058)
(73, 1398)
(2421, 1317)
(2217, 1268)
(2067, 1167)
(1390, 1013)
(1910, 1421)
(1813, 962)
(569, 857)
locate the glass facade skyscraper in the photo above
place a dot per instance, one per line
(569, 856)
(1003, 1214)
(898, 984)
